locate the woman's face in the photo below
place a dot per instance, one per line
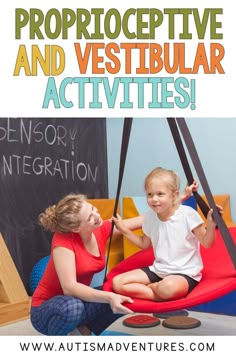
(89, 216)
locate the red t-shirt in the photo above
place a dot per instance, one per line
(86, 263)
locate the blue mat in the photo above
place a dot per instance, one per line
(114, 333)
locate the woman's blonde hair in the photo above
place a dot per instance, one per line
(170, 177)
(64, 216)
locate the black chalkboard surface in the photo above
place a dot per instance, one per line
(41, 160)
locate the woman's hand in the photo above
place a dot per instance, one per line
(120, 225)
(117, 301)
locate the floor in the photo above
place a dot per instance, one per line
(211, 324)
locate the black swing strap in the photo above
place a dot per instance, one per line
(124, 148)
(229, 242)
(186, 167)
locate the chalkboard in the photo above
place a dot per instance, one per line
(41, 160)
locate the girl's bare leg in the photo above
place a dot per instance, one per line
(172, 287)
(134, 284)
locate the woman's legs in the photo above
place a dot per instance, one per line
(62, 314)
(58, 316)
(99, 316)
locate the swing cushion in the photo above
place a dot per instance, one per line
(219, 278)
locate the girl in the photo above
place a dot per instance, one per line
(175, 231)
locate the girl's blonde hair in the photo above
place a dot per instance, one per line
(64, 216)
(170, 177)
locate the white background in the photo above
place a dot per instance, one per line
(23, 95)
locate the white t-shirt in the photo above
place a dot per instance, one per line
(176, 248)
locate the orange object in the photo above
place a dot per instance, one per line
(224, 201)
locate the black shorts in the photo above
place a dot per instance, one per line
(192, 283)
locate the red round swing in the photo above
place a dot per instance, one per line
(219, 272)
(219, 278)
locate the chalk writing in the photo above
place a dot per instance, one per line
(49, 162)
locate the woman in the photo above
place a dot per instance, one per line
(63, 300)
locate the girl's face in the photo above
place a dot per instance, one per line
(160, 197)
(90, 217)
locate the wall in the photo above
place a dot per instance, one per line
(151, 144)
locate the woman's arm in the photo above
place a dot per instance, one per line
(139, 241)
(134, 223)
(64, 260)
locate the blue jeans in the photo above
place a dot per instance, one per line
(62, 314)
